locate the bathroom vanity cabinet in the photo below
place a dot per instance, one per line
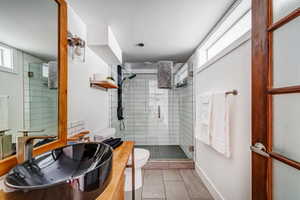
(115, 189)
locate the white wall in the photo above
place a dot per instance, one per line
(11, 84)
(16, 86)
(229, 178)
(85, 103)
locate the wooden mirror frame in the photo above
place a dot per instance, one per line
(9, 162)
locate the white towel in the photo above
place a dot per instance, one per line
(3, 112)
(203, 118)
(220, 124)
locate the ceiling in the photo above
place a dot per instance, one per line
(31, 26)
(170, 29)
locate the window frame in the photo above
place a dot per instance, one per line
(213, 36)
(183, 71)
(4, 68)
(225, 33)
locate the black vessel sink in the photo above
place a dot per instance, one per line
(78, 171)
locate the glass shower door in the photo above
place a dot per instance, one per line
(41, 102)
(152, 117)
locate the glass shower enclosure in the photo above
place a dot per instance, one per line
(153, 118)
(41, 101)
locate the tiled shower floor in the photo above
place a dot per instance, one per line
(160, 152)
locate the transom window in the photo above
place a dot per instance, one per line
(6, 58)
(182, 74)
(235, 23)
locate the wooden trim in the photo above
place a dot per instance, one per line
(269, 181)
(284, 90)
(120, 159)
(260, 72)
(78, 136)
(103, 84)
(285, 20)
(63, 70)
(285, 160)
(8, 163)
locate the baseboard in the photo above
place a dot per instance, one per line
(209, 184)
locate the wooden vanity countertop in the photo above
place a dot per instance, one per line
(120, 158)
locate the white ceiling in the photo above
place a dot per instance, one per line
(170, 29)
(30, 25)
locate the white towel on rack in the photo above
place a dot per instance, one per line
(3, 112)
(220, 124)
(203, 118)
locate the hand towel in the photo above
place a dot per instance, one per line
(3, 112)
(203, 118)
(220, 124)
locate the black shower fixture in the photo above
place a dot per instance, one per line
(130, 76)
(120, 91)
(140, 44)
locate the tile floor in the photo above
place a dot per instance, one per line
(171, 185)
(159, 152)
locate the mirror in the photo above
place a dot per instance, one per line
(29, 39)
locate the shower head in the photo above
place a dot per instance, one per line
(131, 76)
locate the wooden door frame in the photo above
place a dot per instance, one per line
(260, 73)
(8, 163)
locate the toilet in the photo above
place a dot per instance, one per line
(141, 158)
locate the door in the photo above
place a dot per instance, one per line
(147, 112)
(275, 99)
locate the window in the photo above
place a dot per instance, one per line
(235, 23)
(235, 32)
(181, 74)
(45, 70)
(6, 58)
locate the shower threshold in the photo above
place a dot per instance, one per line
(165, 152)
(167, 157)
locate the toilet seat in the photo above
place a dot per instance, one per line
(141, 157)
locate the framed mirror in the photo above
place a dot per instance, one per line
(33, 75)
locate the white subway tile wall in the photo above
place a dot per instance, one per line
(151, 114)
(142, 102)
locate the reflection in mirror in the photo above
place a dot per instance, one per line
(28, 71)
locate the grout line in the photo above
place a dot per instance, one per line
(186, 188)
(165, 188)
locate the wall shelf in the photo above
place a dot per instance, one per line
(78, 136)
(103, 84)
